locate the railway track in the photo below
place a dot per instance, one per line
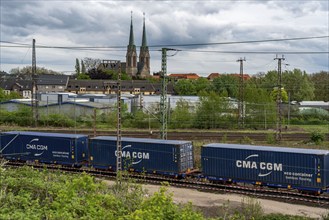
(282, 195)
(195, 135)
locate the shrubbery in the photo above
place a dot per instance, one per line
(26, 193)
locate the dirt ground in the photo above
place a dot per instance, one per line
(211, 204)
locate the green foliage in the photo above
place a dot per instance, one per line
(21, 117)
(77, 67)
(246, 140)
(226, 85)
(83, 67)
(185, 87)
(317, 137)
(27, 71)
(6, 97)
(251, 209)
(192, 87)
(161, 206)
(282, 217)
(202, 85)
(270, 138)
(181, 117)
(320, 81)
(26, 193)
(260, 110)
(298, 85)
(83, 76)
(310, 116)
(274, 94)
(224, 138)
(140, 119)
(57, 120)
(214, 111)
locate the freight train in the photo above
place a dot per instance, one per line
(306, 170)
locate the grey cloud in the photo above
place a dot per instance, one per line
(106, 23)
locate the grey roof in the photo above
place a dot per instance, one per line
(44, 104)
(142, 140)
(7, 84)
(44, 134)
(90, 85)
(48, 79)
(268, 148)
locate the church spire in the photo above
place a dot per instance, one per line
(131, 55)
(144, 42)
(144, 56)
(131, 37)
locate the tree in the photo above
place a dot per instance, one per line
(213, 111)
(26, 72)
(260, 108)
(77, 66)
(185, 87)
(6, 97)
(83, 67)
(202, 84)
(269, 80)
(321, 85)
(298, 85)
(100, 74)
(83, 76)
(226, 85)
(284, 95)
(181, 117)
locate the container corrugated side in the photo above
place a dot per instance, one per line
(268, 165)
(143, 154)
(44, 147)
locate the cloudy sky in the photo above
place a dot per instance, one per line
(211, 35)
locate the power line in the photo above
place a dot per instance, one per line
(172, 45)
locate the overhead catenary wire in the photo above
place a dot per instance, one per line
(165, 45)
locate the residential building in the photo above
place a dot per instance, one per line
(110, 87)
(177, 76)
(52, 83)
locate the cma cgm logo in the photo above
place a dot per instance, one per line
(35, 146)
(265, 168)
(133, 155)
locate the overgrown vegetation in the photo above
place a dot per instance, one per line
(26, 193)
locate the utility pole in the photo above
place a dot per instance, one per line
(34, 101)
(241, 95)
(163, 96)
(119, 144)
(278, 135)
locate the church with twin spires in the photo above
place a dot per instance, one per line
(140, 69)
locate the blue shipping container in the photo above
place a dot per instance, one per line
(71, 149)
(151, 155)
(299, 168)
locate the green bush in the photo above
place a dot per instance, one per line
(21, 117)
(57, 120)
(26, 193)
(270, 138)
(317, 137)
